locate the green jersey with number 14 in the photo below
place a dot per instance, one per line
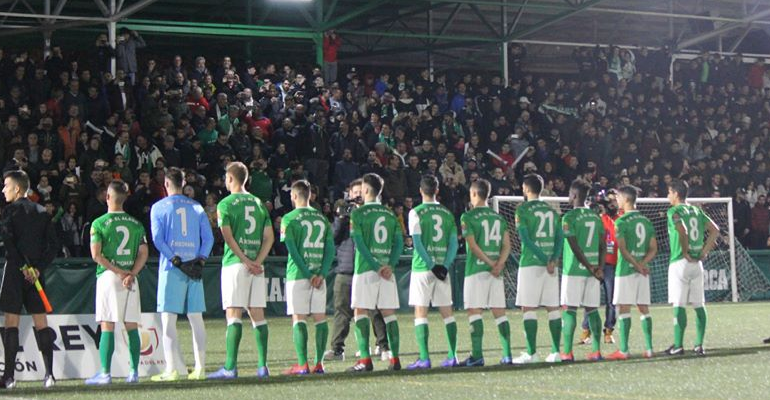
(588, 230)
(541, 221)
(436, 225)
(120, 235)
(487, 228)
(637, 232)
(695, 222)
(247, 217)
(378, 226)
(308, 228)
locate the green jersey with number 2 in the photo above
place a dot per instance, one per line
(247, 217)
(637, 232)
(308, 228)
(541, 221)
(120, 235)
(588, 230)
(487, 228)
(436, 225)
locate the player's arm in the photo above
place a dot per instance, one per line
(558, 244)
(397, 248)
(360, 245)
(599, 272)
(621, 241)
(505, 252)
(652, 251)
(527, 242)
(453, 245)
(419, 247)
(578, 252)
(207, 236)
(471, 244)
(99, 258)
(682, 233)
(291, 248)
(330, 252)
(158, 230)
(268, 238)
(712, 234)
(141, 259)
(227, 235)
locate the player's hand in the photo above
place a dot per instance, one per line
(128, 281)
(316, 281)
(386, 272)
(551, 267)
(497, 268)
(30, 274)
(702, 256)
(689, 259)
(642, 269)
(255, 268)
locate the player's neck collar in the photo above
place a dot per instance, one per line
(630, 211)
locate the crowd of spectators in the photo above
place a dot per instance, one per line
(74, 127)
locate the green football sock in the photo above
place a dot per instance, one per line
(299, 333)
(451, 336)
(422, 333)
(477, 336)
(106, 349)
(701, 318)
(680, 324)
(321, 334)
(624, 323)
(362, 336)
(530, 331)
(595, 324)
(232, 343)
(134, 347)
(504, 331)
(261, 333)
(647, 330)
(569, 321)
(391, 327)
(554, 326)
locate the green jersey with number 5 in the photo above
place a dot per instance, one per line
(695, 222)
(308, 228)
(541, 221)
(120, 235)
(436, 225)
(487, 228)
(637, 232)
(378, 226)
(247, 217)
(587, 228)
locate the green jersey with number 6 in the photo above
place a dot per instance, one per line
(695, 222)
(436, 224)
(541, 221)
(247, 217)
(587, 228)
(120, 235)
(308, 228)
(637, 232)
(378, 226)
(487, 228)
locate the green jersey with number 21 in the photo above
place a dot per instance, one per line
(541, 221)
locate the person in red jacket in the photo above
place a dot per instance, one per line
(332, 43)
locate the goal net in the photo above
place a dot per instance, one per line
(730, 274)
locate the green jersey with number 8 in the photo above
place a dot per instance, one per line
(637, 232)
(436, 225)
(120, 235)
(308, 228)
(587, 228)
(695, 222)
(247, 217)
(487, 228)
(378, 226)
(541, 221)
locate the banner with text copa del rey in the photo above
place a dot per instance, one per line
(76, 352)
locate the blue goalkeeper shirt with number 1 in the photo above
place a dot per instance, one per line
(181, 228)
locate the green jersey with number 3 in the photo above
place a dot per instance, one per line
(247, 217)
(308, 228)
(120, 235)
(541, 221)
(436, 225)
(695, 222)
(637, 232)
(487, 228)
(587, 228)
(378, 226)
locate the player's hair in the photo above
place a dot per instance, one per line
(176, 177)
(301, 188)
(581, 188)
(374, 181)
(429, 185)
(629, 192)
(355, 182)
(19, 177)
(534, 182)
(120, 189)
(680, 187)
(482, 187)
(238, 171)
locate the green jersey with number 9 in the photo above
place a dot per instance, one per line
(436, 225)
(695, 222)
(247, 217)
(541, 221)
(120, 235)
(308, 228)
(487, 228)
(378, 226)
(587, 228)
(637, 232)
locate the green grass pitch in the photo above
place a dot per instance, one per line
(737, 367)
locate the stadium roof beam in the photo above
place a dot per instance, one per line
(369, 6)
(746, 22)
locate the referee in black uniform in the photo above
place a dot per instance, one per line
(29, 237)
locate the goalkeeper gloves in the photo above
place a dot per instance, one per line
(440, 272)
(193, 268)
(176, 261)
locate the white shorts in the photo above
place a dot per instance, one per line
(580, 291)
(242, 289)
(303, 299)
(632, 289)
(115, 303)
(371, 292)
(535, 287)
(482, 290)
(425, 290)
(685, 283)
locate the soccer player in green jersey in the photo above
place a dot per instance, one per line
(489, 244)
(637, 246)
(119, 248)
(584, 251)
(248, 234)
(434, 234)
(309, 239)
(538, 282)
(379, 244)
(687, 225)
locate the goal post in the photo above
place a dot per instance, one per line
(730, 274)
